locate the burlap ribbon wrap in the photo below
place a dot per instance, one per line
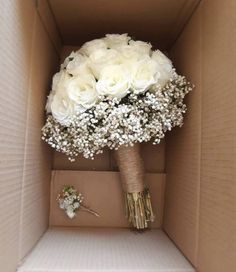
(137, 197)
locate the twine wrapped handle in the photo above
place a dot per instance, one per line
(137, 197)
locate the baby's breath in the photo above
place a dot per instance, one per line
(114, 122)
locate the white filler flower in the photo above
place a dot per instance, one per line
(71, 201)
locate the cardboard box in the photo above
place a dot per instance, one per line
(198, 160)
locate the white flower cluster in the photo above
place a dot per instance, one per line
(137, 117)
(113, 66)
(70, 201)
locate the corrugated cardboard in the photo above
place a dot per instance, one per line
(105, 249)
(200, 203)
(183, 148)
(201, 217)
(158, 21)
(48, 21)
(27, 59)
(16, 36)
(37, 155)
(217, 222)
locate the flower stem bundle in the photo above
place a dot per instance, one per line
(137, 197)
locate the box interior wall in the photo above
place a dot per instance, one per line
(198, 160)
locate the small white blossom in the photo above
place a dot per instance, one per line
(70, 201)
(70, 213)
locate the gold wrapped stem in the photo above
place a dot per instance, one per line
(139, 209)
(137, 197)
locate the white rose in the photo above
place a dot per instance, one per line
(60, 81)
(89, 47)
(141, 47)
(101, 58)
(116, 40)
(68, 59)
(144, 75)
(59, 85)
(128, 54)
(165, 67)
(63, 109)
(79, 64)
(82, 90)
(49, 102)
(114, 81)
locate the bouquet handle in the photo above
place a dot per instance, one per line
(137, 197)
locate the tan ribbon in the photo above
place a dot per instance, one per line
(131, 168)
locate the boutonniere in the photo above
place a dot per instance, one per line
(70, 200)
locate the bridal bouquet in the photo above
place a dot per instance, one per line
(116, 92)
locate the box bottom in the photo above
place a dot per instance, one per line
(101, 249)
